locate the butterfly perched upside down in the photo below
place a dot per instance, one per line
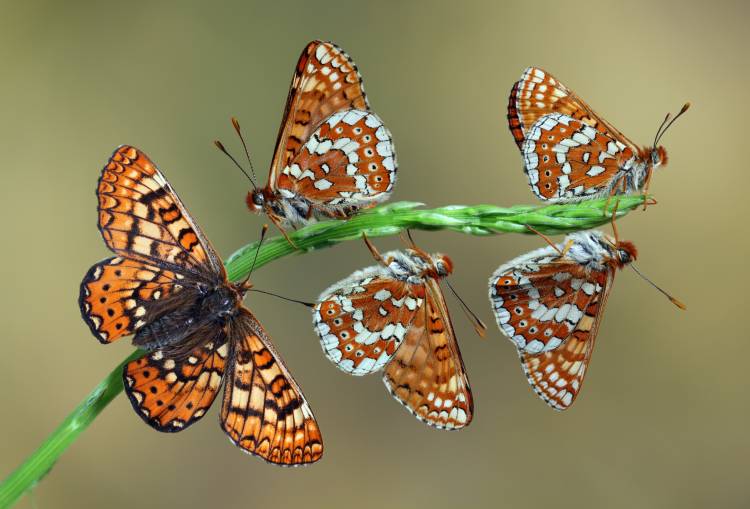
(333, 156)
(168, 288)
(570, 153)
(550, 302)
(393, 317)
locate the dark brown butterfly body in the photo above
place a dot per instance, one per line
(194, 314)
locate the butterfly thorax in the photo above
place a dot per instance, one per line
(415, 266)
(636, 168)
(211, 307)
(596, 251)
(283, 207)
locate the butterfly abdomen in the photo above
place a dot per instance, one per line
(167, 330)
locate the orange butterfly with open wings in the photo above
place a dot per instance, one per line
(168, 288)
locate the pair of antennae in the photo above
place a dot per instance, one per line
(666, 123)
(221, 147)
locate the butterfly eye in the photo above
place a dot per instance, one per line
(624, 255)
(257, 198)
(655, 159)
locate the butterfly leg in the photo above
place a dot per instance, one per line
(567, 247)
(614, 226)
(375, 253)
(546, 239)
(283, 231)
(645, 190)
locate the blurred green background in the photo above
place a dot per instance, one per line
(663, 420)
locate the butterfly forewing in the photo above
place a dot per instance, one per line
(140, 216)
(538, 93)
(170, 392)
(427, 374)
(264, 411)
(362, 320)
(557, 375)
(325, 81)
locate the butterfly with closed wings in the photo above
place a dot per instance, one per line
(333, 156)
(550, 303)
(570, 153)
(393, 317)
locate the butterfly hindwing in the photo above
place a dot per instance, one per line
(119, 295)
(540, 298)
(141, 216)
(565, 159)
(170, 392)
(427, 374)
(348, 163)
(264, 411)
(362, 320)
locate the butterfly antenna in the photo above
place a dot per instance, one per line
(479, 327)
(255, 259)
(663, 123)
(221, 147)
(659, 135)
(236, 125)
(671, 299)
(304, 303)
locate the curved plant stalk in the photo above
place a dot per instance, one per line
(382, 221)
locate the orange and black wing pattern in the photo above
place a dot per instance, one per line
(170, 392)
(140, 216)
(538, 93)
(326, 81)
(264, 411)
(427, 374)
(120, 295)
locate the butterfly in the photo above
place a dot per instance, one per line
(393, 317)
(571, 153)
(333, 156)
(167, 288)
(550, 302)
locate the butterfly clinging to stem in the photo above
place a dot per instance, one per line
(393, 317)
(167, 288)
(571, 153)
(550, 303)
(333, 156)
